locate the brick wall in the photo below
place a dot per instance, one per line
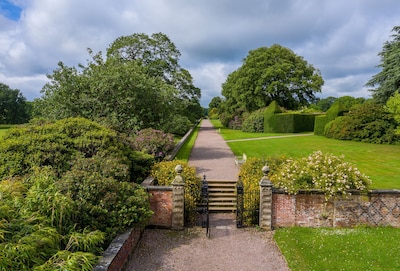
(119, 251)
(161, 205)
(377, 208)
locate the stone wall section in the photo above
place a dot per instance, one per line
(377, 208)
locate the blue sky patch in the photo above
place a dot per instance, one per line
(10, 10)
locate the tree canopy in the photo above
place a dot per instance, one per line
(14, 108)
(139, 85)
(387, 81)
(268, 74)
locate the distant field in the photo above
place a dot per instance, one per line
(380, 162)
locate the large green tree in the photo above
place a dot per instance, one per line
(14, 109)
(271, 74)
(387, 81)
(138, 85)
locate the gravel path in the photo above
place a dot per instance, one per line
(228, 248)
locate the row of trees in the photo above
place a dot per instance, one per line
(277, 74)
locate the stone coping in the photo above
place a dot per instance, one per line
(353, 192)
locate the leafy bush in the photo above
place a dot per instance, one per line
(254, 123)
(178, 125)
(66, 189)
(103, 198)
(250, 175)
(235, 123)
(367, 122)
(213, 113)
(325, 172)
(56, 144)
(37, 225)
(164, 173)
(154, 142)
(225, 118)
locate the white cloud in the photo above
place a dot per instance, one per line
(341, 38)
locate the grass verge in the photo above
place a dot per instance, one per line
(186, 149)
(361, 248)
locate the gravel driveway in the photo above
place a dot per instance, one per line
(228, 248)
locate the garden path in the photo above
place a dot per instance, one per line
(212, 156)
(227, 248)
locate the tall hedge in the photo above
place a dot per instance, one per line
(277, 122)
(337, 109)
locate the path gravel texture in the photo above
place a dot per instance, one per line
(227, 248)
(212, 156)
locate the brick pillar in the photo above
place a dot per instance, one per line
(265, 219)
(178, 200)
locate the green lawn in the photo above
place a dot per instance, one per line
(186, 149)
(357, 249)
(380, 162)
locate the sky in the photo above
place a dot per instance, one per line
(341, 38)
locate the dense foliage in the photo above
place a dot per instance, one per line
(393, 107)
(254, 122)
(368, 122)
(154, 142)
(164, 173)
(67, 190)
(387, 81)
(318, 171)
(139, 85)
(14, 109)
(271, 74)
(250, 175)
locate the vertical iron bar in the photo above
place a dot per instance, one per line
(205, 212)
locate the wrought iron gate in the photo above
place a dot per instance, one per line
(248, 206)
(204, 204)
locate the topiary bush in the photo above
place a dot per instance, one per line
(318, 171)
(164, 173)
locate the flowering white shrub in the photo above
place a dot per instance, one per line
(325, 172)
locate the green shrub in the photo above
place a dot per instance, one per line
(38, 223)
(164, 173)
(154, 142)
(337, 109)
(178, 125)
(213, 113)
(72, 177)
(250, 175)
(56, 144)
(368, 122)
(103, 198)
(254, 123)
(324, 172)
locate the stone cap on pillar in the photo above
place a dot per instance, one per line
(179, 180)
(265, 181)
